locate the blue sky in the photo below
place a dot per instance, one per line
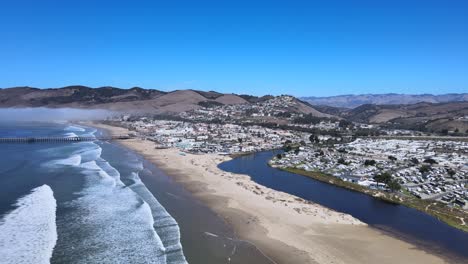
(303, 48)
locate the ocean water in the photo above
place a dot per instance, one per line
(67, 203)
(98, 202)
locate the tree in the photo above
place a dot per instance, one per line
(279, 156)
(451, 172)
(313, 139)
(240, 140)
(384, 177)
(424, 169)
(430, 161)
(369, 162)
(341, 161)
(296, 151)
(342, 150)
(394, 185)
(414, 160)
(392, 158)
(345, 123)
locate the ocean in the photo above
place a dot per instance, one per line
(88, 202)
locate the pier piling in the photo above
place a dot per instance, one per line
(58, 139)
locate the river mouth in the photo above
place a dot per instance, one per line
(422, 230)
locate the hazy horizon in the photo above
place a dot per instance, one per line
(205, 90)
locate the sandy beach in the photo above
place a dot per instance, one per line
(286, 228)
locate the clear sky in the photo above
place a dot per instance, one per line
(303, 48)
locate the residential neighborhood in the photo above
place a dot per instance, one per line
(426, 169)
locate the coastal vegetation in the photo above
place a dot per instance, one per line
(452, 216)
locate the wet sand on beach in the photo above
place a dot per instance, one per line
(286, 228)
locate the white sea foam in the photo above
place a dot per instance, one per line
(89, 151)
(73, 160)
(70, 135)
(92, 168)
(28, 233)
(164, 223)
(118, 223)
(90, 133)
(109, 170)
(74, 128)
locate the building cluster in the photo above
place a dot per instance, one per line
(283, 110)
(279, 106)
(212, 138)
(428, 169)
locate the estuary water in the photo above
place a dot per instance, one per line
(97, 202)
(406, 223)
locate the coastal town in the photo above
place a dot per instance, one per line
(234, 132)
(403, 166)
(212, 138)
(426, 169)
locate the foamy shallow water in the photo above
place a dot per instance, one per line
(104, 221)
(28, 234)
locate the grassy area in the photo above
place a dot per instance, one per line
(455, 217)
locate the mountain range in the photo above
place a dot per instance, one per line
(442, 112)
(125, 100)
(423, 116)
(352, 101)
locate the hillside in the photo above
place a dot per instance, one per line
(135, 100)
(72, 96)
(352, 101)
(422, 116)
(112, 98)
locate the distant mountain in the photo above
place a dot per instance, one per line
(72, 96)
(429, 116)
(352, 101)
(452, 116)
(135, 99)
(127, 100)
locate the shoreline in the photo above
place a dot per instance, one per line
(285, 228)
(417, 204)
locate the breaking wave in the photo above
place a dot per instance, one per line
(74, 128)
(29, 232)
(116, 223)
(73, 160)
(71, 135)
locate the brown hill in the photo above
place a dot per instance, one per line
(130, 100)
(352, 101)
(421, 116)
(230, 99)
(72, 96)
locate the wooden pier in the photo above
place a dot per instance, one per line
(59, 139)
